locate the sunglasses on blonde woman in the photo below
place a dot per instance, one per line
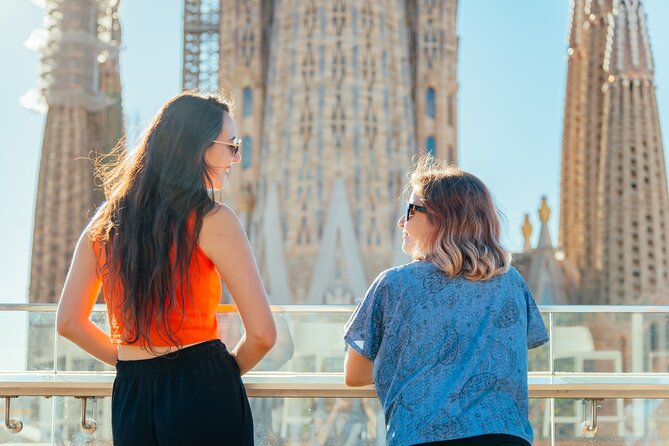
(234, 145)
(411, 208)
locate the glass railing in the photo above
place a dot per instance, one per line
(615, 356)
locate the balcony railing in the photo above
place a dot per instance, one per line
(613, 357)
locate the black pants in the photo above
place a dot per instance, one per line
(191, 397)
(483, 440)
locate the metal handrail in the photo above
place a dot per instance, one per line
(592, 388)
(331, 385)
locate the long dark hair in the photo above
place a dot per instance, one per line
(144, 227)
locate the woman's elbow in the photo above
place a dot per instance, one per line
(352, 380)
(266, 338)
(68, 322)
(269, 339)
(349, 380)
(64, 325)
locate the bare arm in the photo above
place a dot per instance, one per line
(80, 292)
(358, 370)
(224, 241)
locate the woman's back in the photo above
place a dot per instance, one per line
(450, 355)
(192, 317)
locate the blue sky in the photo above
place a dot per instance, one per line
(512, 79)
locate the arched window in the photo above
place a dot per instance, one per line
(430, 108)
(429, 145)
(247, 150)
(248, 102)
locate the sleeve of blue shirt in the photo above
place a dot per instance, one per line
(536, 330)
(364, 330)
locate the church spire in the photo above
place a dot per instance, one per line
(635, 205)
(628, 55)
(614, 209)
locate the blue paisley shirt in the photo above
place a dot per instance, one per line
(450, 355)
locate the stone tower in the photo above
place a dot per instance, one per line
(635, 205)
(81, 88)
(332, 101)
(581, 142)
(613, 221)
(433, 55)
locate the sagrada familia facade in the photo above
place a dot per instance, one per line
(332, 101)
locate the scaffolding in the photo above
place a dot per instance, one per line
(201, 45)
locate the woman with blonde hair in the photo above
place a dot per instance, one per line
(444, 338)
(159, 248)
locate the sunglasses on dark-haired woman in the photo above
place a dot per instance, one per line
(233, 145)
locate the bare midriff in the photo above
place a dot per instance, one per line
(136, 353)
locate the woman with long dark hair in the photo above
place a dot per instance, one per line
(158, 248)
(444, 338)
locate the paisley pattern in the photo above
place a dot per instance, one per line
(483, 382)
(500, 357)
(450, 355)
(508, 316)
(449, 350)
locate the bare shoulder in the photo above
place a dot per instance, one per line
(220, 217)
(220, 227)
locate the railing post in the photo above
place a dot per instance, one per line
(88, 425)
(638, 353)
(590, 429)
(12, 424)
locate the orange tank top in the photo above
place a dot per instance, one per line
(195, 323)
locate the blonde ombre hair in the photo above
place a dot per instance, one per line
(460, 206)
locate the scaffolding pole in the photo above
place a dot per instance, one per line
(201, 45)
